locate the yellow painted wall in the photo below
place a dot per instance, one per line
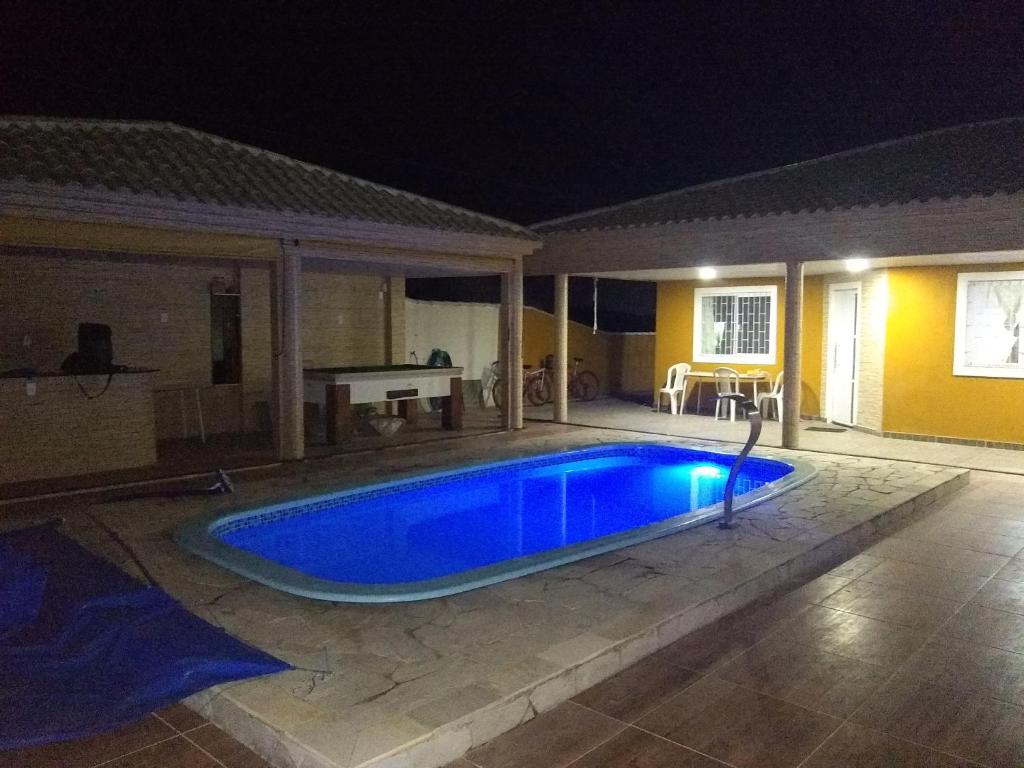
(622, 361)
(674, 333)
(922, 396)
(811, 345)
(539, 340)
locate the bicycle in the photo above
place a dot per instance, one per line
(536, 385)
(582, 385)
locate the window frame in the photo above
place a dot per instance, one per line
(770, 290)
(960, 366)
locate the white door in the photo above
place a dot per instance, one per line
(843, 306)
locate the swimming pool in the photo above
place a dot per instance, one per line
(452, 531)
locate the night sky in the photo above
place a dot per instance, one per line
(527, 111)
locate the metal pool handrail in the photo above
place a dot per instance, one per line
(754, 415)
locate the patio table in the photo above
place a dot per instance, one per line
(707, 376)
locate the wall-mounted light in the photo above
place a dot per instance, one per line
(857, 265)
(707, 273)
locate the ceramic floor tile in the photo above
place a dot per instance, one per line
(92, 751)
(1012, 571)
(988, 626)
(1004, 595)
(739, 726)
(181, 718)
(552, 739)
(978, 728)
(707, 647)
(969, 668)
(1000, 508)
(637, 690)
(925, 580)
(636, 749)
(964, 538)
(881, 643)
(854, 746)
(976, 520)
(764, 615)
(939, 556)
(887, 603)
(232, 753)
(805, 675)
(173, 753)
(856, 567)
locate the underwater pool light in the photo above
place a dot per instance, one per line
(706, 470)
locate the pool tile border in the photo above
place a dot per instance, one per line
(203, 536)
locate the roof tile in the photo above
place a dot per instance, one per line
(167, 160)
(963, 161)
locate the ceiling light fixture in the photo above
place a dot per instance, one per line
(707, 273)
(856, 265)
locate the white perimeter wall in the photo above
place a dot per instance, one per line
(468, 332)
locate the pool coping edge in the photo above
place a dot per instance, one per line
(450, 741)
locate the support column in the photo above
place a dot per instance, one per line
(394, 328)
(394, 320)
(791, 354)
(561, 377)
(512, 333)
(286, 323)
(503, 358)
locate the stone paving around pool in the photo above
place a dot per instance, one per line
(418, 684)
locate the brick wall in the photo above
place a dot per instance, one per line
(159, 312)
(342, 319)
(58, 431)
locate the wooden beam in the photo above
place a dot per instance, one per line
(338, 413)
(452, 406)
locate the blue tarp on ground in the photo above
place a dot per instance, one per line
(85, 648)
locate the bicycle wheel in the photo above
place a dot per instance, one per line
(547, 391)
(537, 390)
(587, 385)
(497, 393)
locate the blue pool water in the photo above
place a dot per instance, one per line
(456, 530)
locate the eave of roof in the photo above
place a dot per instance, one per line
(656, 210)
(289, 192)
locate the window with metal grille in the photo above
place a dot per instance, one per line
(735, 325)
(989, 325)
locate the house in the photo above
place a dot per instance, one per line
(886, 281)
(222, 271)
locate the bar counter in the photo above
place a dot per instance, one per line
(55, 424)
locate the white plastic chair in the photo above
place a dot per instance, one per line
(675, 387)
(774, 398)
(727, 382)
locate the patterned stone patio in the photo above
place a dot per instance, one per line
(419, 684)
